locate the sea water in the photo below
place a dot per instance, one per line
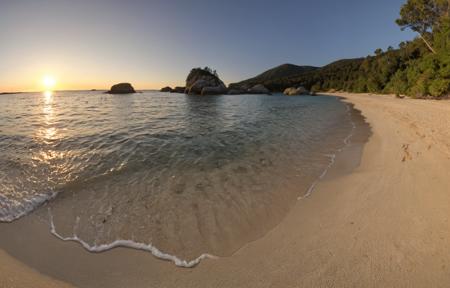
(183, 177)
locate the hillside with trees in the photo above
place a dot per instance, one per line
(418, 68)
(279, 72)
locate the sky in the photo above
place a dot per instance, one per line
(87, 44)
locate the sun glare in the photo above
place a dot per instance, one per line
(49, 82)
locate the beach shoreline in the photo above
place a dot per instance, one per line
(372, 227)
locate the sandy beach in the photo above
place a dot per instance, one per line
(385, 224)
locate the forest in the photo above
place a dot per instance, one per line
(419, 68)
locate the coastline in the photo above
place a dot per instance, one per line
(375, 226)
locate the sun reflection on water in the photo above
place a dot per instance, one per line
(48, 95)
(48, 133)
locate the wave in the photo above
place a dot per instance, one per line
(332, 157)
(128, 244)
(10, 212)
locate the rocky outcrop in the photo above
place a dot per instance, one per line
(204, 82)
(258, 89)
(166, 89)
(122, 88)
(236, 91)
(178, 89)
(214, 90)
(295, 91)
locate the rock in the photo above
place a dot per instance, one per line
(236, 91)
(259, 89)
(197, 86)
(198, 79)
(292, 91)
(214, 90)
(178, 89)
(122, 88)
(166, 89)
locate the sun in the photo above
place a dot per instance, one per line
(49, 82)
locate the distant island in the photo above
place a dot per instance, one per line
(10, 93)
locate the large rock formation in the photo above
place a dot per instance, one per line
(122, 88)
(214, 91)
(259, 89)
(204, 82)
(294, 91)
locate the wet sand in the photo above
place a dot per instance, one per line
(15, 274)
(385, 224)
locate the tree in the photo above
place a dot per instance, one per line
(423, 17)
(378, 51)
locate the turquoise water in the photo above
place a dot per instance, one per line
(184, 174)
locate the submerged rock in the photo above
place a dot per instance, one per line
(294, 91)
(259, 89)
(122, 88)
(199, 79)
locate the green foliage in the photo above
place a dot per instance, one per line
(205, 71)
(439, 87)
(210, 71)
(422, 16)
(419, 68)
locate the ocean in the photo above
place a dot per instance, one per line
(183, 177)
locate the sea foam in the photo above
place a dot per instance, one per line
(128, 244)
(332, 157)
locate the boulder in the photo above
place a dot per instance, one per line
(293, 91)
(236, 91)
(197, 86)
(259, 89)
(214, 90)
(122, 88)
(178, 89)
(198, 79)
(166, 89)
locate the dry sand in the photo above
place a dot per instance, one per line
(384, 225)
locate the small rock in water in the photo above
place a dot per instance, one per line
(122, 88)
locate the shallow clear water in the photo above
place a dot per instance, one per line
(186, 174)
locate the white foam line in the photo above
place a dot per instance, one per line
(332, 157)
(127, 244)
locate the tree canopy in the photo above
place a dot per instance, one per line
(424, 17)
(418, 68)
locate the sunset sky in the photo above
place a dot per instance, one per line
(94, 44)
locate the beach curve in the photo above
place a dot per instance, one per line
(375, 227)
